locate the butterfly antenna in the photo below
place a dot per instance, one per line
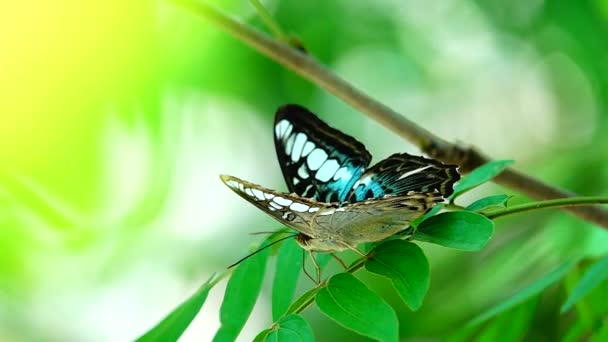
(261, 249)
(262, 233)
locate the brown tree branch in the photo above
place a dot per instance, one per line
(467, 158)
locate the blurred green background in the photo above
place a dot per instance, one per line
(117, 118)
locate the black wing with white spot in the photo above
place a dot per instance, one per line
(318, 161)
(399, 174)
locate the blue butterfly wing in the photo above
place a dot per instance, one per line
(401, 173)
(317, 161)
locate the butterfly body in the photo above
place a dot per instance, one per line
(336, 201)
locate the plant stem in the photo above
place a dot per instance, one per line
(555, 203)
(466, 157)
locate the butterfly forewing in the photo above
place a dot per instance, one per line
(291, 210)
(317, 161)
(401, 174)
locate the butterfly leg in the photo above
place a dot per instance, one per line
(304, 267)
(339, 260)
(314, 261)
(351, 248)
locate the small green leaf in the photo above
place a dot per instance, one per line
(346, 300)
(289, 266)
(174, 325)
(262, 335)
(241, 294)
(489, 202)
(424, 217)
(291, 328)
(595, 275)
(457, 229)
(406, 266)
(308, 296)
(479, 176)
(526, 293)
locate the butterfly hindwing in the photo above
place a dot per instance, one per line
(377, 219)
(402, 173)
(317, 161)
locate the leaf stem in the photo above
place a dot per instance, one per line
(269, 21)
(554, 203)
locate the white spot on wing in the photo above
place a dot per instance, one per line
(313, 209)
(289, 144)
(409, 173)
(303, 172)
(297, 146)
(268, 196)
(282, 201)
(272, 204)
(327, 170)
(287, 131)
(258, 194)
(233, 184)
(307, 148)
(280, 128)
(343, 173)
(364, 181)
(295, 181)
(327, 212)
(298, 207)
(249, 192)
(316, 158)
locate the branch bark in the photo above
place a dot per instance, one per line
(466, 157)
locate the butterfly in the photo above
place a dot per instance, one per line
(335, 200)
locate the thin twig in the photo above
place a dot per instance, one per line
(467, 158)
(554, 203)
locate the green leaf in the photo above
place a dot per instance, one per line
(479, 176)
(457, 229)
(601, 334)
(241, 294)
(406, 266)
(351, 304)
(526, 293)
(592, 278)
(262, 335)
(289, 267)
(489, 202)
(511, 325)
(424, 217)
(291, 328)
(174, 325)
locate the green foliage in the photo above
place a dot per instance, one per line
(488, 202)
(460, 230)
(346, 300)
(406, 266)
(174, 325)
(289, 267)
(290, 328)
(350, 303)
(526, 293)
(241, 294)
(479, 176)
(595, 275)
